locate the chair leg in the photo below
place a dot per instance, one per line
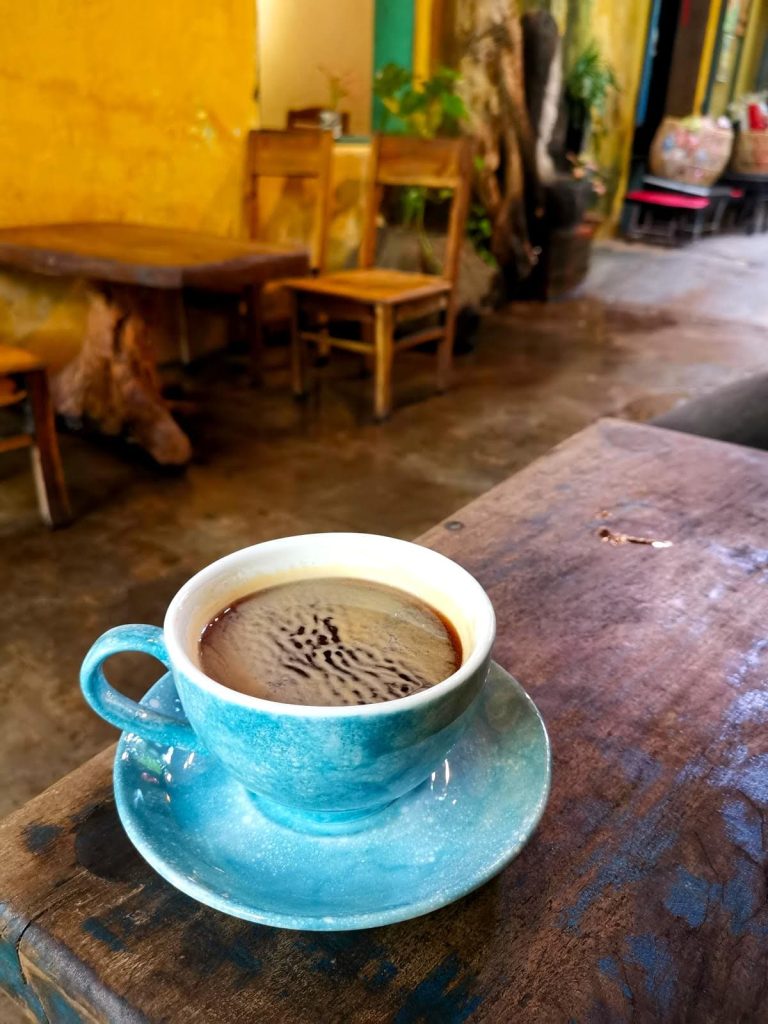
(52, 498)
(445, 349)
(368, 359)
(385, 343)
(324, 345)
(298, 352)
(255, 333)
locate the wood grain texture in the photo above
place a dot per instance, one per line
(287, 155)
(642, 896)
(113, 383)
(369, 294)
(153, 257)
(375, 285)
(40, 435)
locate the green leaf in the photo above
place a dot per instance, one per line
(453, 105)
(427, 108)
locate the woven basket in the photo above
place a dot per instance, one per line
(750, 153)
(691, 155)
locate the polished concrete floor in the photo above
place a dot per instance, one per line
(265, 467)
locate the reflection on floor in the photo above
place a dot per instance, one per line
(266, 467)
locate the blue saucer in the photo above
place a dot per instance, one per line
(203, 833)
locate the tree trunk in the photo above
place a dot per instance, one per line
(113, 383)
(489, 54)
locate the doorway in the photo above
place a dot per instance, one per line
(654, 84)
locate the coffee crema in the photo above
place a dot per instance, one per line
(326, 641)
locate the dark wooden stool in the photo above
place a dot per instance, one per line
(40, 434)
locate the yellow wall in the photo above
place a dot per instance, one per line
(296, 39)
(754, 41)
(705, 64)
(620, 31)
(423, 43)
(119, 110)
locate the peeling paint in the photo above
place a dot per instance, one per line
(651, 953)
(689, 897)
(744, 826)
(445, 995)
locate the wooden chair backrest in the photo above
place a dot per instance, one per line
(289, 155)
(309, 117)
(431, 163)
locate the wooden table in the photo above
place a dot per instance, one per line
(642, 896)
(113, 384)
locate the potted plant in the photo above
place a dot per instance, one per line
(428, 108)
(588, 85)
(338, 88)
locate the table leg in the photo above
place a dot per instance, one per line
(113, 383)
(255, 332)
(298, 351)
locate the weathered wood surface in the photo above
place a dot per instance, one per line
(152, 257)
(642, 896)
(113, 383)
(372, 295)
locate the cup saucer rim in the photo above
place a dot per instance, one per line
(325, 922)
(181, 658)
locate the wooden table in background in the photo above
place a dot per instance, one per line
(641, 897)
(113, 383)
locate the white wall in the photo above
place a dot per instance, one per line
(295, 37)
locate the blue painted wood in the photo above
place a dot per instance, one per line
(641, 107)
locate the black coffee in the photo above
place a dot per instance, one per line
(329, 640)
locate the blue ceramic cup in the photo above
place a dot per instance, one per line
(311, 767)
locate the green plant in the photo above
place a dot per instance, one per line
(338, 87)
(425, 108)
(479, 232)
(590, 80)
(428, 109)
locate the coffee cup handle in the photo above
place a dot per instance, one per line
(115, 707)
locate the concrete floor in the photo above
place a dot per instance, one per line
(265, 467)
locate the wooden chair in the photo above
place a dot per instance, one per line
(40, 436)
(309, 117)
(385, 302)
(291, 156)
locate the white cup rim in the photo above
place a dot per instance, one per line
(181, 661)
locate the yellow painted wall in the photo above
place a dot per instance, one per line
(296, 39)
(620, 31)
(118, 109)
(754, 41)
(718, 102)
(423, 43)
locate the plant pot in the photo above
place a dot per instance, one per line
(567, 201)
(330, 121)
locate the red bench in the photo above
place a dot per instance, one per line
(670, 217)
(678, 202)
